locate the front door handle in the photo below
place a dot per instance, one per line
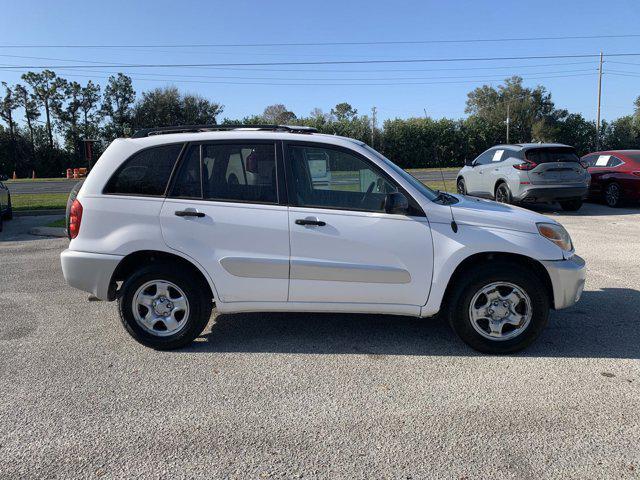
(310, 221)
(189, 213)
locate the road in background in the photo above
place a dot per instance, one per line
(320, 396)
(42, 186)
(65, 186)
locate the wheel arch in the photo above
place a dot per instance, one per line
(497, 184)
(478, 258)
(135, 260)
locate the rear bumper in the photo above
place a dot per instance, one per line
(537, 193)
(89, 272)
(567, 278)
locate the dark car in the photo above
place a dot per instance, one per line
(615, 176)
(6, 212)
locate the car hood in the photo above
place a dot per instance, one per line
(487, 213)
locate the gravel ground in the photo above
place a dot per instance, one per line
(319, 396)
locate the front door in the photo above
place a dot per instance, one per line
(224, 211)
(344, 247)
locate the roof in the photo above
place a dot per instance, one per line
(239, 134)
(528, 146)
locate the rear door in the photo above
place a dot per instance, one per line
(226, 211)
(344, 247)
(476, 176)
(555, 165)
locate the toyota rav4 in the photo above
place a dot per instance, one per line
(176, 220)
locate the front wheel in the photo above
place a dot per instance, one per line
(571, 205)
(498, 308)
(461, 187)
(164, 308)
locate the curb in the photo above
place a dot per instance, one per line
(49, 232)
(33, 213)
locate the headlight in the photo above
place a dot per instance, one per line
(557, 234)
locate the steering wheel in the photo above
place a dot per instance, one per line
(367, 193)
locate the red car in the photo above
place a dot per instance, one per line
(615, 176)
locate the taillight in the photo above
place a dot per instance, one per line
(75, 218)
(527, 165)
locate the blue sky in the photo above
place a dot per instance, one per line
(572, 82)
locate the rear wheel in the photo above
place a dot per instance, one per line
(498, 307)
(461, 186)
(164, 308)
(613, 195)
(571, 205)
(8, 215)
(503, 193)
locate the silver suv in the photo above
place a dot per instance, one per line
(528, 172)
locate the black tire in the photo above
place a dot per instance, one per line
(8, 215)
(571, 205)
(198, 297)
(503, 193)
(461, 187)
(72, 196)
(613, 195)
(466, 287)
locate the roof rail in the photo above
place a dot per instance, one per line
(147, 132)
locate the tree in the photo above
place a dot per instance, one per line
(278, 114)
(7, 106)
(343, 112)
(167, 106)
(29, 104)
(117, 103)
(68, 113)
(525, 107)
(47, 88)
(89, 98)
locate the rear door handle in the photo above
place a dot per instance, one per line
(310, 221)
(189, 213)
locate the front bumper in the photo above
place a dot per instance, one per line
(89, 272)
(567, 280)
(537, 193)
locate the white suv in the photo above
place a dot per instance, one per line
(173, 221)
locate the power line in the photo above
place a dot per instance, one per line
(332, 62)
(320, 44)
(333, 83)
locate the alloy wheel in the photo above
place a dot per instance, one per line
(500, 311)
(161, 308)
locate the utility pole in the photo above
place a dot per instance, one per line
(508, 122)
(599, 97)
(373, 125)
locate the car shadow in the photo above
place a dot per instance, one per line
(588, 209)
(604, 324)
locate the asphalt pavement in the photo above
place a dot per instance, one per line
(319, 396)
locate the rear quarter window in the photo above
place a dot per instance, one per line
(145, 173)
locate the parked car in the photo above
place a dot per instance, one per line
(6, 210)
(615, 176)
(528, 172)
(159, 227)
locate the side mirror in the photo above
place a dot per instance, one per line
(3, 178)
(469, 163)
(396, 203)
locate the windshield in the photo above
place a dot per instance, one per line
(417, 184)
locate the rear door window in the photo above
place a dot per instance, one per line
(552, 154)
(145, 173)
(228, 172)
